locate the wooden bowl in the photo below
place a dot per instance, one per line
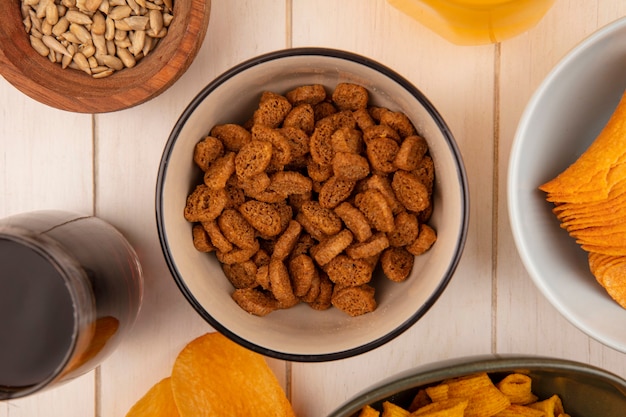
(76, 91)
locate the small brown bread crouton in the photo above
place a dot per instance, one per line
(426, 238)
(272, 110)
(425, 172)
(327, 249)
(270, 197)
(254, 185)
(218, 239)
(318, 172)
(206, 151)
(281, 150)
(262, 276)
(290, 182)
(348, 96)
(371, 247)
(296, 200)
(285, 211)
(363, 119)
(287, 240)
(405, 231)
(261, 257)
(350, 166)
(237, 255)
(320, 143)
(355, 221)
(380, 131)
(312, 230)
(383, 185)
(301, 117)
(309, 94)
(376, 112)
(323, 109)
(280, 284)
(262, 216)
(335, 191)
(255, 301)
(232, 136)
(303, 272)
(348, 272)
(236, 229)
(322, 218)
(412, 150)
(220, 171)
(347, 140)
(381, 153)
(201, 240)
(354, 301)
(241, 275)
(410, 191)
(399, 122)
(253, 158)
(397, 263)
(298, 140)
(315, 288)
(305, 242)
(323, 300)
(204, 204)
(375, 208)
(235, 194)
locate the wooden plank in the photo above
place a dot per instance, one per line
(129, 146)
(459, 82)
(526, 320)
(46, 163)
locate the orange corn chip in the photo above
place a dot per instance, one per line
(552, 407)
(610, 272)
(213, 376)
(515, 410)
(368, 411)
(447, 408)
(589, 179)
(517, 387)
(485, 399)
(392, 410)
(590, 203)
(157, 402)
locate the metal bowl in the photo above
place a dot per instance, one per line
(586, 391)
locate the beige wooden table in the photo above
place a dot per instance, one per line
(107, 164)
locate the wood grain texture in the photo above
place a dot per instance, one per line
(527, 322)
(465, 101)
(76, 91)
(129, 146)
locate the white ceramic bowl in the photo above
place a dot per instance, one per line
(584, 389)
(561, 120)
(300, 333)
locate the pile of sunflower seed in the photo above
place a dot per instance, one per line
(98, 37)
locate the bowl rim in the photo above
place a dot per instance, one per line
(435, 372)
(338, 54)
(513, 179)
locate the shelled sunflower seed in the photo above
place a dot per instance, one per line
(98, 37)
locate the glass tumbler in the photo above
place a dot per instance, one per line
(70, 290)
(475, 22)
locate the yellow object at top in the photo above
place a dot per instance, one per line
(475, 22)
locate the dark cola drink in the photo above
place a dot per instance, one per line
(70, 289)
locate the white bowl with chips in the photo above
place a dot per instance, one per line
(585, 390)
(562, 119)
(301, 333)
